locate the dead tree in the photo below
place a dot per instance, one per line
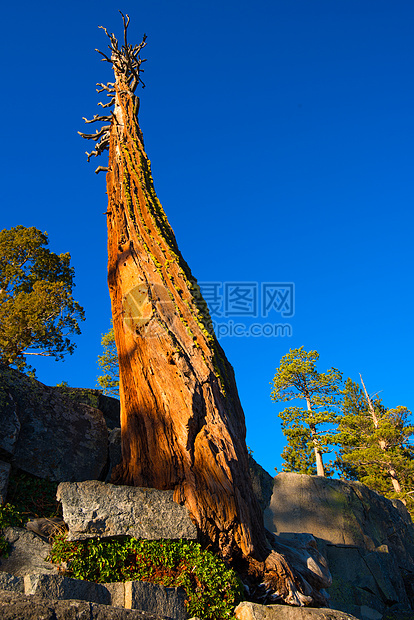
(182, 423)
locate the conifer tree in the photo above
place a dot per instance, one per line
(376, 444)
(299, 454)
(308, 430)
(108, 361)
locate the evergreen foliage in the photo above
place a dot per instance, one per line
(108, 361)
(376, 446)
(309, 431)
(299, 454)
(37, 309)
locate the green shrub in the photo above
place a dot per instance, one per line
(213, 590)
(33, 496)
(10, 516)
(28, 496)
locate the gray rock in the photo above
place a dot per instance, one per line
(100, 612)
(143, 596)
(262, 483)
(397, 615)
(4, 480)
(339, 512)
(59, 438)
(9, 422)
(253, 611)
(110, 407)
(64, 588)
(117, 593)
(115, 452)
(93, 508)
(156, 599)
(16, 606)
(11, 582)
(368, 542)
(28, 554)
(302, 553)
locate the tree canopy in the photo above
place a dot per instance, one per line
(37, 309)
(307, 430)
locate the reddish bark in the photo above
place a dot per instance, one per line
(182, 424)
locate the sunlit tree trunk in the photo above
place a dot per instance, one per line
(181, 419)
(320, 471)
(182, 424)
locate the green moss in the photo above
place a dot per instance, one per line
(342, 592)
(138, 163)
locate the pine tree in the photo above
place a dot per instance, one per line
(308, 430)
(299, 454)
(108, 361)
(375, 444)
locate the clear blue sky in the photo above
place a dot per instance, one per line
(281, 137)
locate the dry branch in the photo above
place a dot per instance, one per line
(97, 118)
(110, 87)
(126, 63)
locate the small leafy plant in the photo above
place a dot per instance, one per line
(213, 590)
(33, 496)
(10, 516)
(28, 496)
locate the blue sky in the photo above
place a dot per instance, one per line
(281, 138)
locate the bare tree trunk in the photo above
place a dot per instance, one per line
(181, 419)
(320, 471)
(382, 444)
(182, 424)
(394, 479)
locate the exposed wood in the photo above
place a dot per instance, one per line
(182, 424)
(96, 119)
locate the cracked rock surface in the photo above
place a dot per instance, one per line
(368, 540)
